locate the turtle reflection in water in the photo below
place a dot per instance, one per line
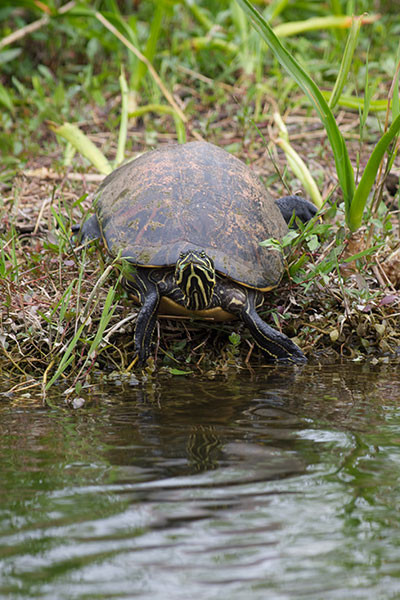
(189, 219)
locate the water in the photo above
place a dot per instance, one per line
(280, 483)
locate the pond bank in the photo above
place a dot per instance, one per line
(62, 313)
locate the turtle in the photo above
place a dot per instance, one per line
(188, 220)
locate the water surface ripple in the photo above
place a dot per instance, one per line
(278, 483)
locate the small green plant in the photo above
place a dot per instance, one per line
(355, 197)
(234, 343)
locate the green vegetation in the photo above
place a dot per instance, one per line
(282, 85)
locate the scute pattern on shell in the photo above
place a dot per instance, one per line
(192, 196)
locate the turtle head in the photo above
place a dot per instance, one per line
(195, 276)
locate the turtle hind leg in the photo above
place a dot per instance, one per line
(89, 230)
(302, 208)
(275, 345)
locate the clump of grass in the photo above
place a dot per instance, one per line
(49, 325)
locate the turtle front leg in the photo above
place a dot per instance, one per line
(275, 345)
(149, 297)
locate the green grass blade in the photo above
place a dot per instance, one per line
(275, 8)
(368, 90)
(180, 129)
(346, 62)
(367, 180)
(108, 311)
(123, 127)
(199, 14)
(156, 108)
(394, 102)
(296, 163)
(59, 220)
(312, 24)
(84, 145)
(6, 99)
(395, 99)
(144, 59)
(359, 103)
(151, 45)
(67, 357)
(163, 109)
(341, 156)
(64, 303)
(335, 6)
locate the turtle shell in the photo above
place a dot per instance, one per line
(192, 196)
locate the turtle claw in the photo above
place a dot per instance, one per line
(298, 358)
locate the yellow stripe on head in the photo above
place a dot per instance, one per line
(195, 276)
